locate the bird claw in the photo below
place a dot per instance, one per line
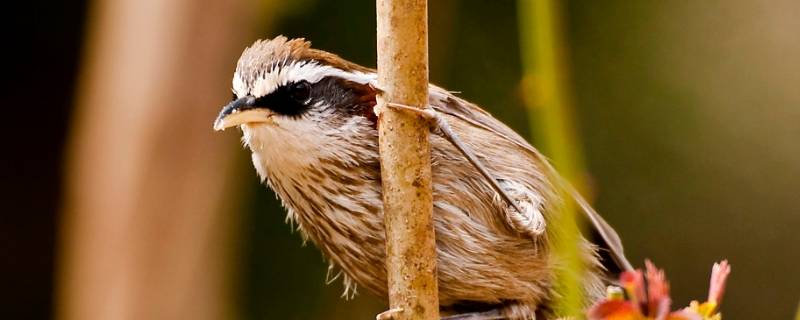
(494, 314)
(428, 113)
(389, 314)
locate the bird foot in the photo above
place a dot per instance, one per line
(389, 314)
(495, 314)
(428, 113)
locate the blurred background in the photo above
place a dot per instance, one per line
(121, 203)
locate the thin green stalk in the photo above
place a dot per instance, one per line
(547, 98)
(797, 316)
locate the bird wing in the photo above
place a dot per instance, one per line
(467, 112)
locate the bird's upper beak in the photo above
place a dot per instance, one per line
(241, 111)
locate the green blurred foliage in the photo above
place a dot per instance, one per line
(688, 114)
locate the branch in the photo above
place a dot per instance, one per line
(405, 159)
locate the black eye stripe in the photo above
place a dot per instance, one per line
(288, 100)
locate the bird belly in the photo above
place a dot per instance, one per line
(476, 262)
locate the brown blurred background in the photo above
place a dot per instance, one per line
(120, 203)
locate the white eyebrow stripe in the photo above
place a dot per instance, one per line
(238, 85)
(310, 71)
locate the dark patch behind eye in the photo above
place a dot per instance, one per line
(347, 97)
(285, 100)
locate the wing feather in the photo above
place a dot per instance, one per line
(457, 108)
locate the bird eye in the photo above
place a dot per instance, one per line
(300, 91)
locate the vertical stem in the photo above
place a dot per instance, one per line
(146, 227)
(547, 97)
(797, 315)
(405, 159)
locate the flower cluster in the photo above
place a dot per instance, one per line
(645, 295)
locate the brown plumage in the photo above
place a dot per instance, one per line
(307, 115)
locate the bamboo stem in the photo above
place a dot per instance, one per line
(146, 231)
(405, 159)
(550, 114)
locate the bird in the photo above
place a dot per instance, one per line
(309, 119)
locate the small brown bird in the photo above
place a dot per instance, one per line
(308, 117)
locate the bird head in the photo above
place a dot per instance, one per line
(279, 82)
(298, 104)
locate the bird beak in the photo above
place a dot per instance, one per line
(242, 111)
